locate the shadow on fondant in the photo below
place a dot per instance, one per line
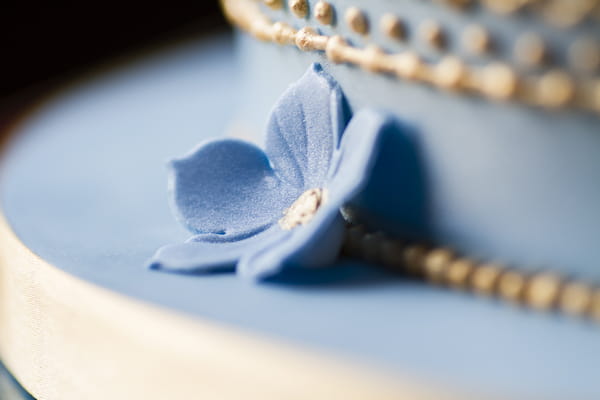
(398, 190)
(396, 199)
(347, 274)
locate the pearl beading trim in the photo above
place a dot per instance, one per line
(494, 81)
(562, 13)
(543, 291)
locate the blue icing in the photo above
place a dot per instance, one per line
(228, 187)
(305, 127)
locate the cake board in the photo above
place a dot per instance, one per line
(84, 203)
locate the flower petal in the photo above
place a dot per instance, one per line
(228, 187)
(305, 128)
(358, 152)
(208, 253)
(316, 244)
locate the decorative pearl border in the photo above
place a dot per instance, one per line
(495, 81)
(562, 13)
(530, 49)
(544, 291)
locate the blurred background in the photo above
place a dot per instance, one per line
(45, 43)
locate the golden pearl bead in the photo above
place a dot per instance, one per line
(476, 39)
(542, 291)
(567, 13)
(485, 278)
(335, 49)
(392, 27)
(274, 4)
(499, 81)
(324, 13)
(504, 6)
(436, 264)
(511, 286)
(304, 38)
(372, 60)
(450, 73)
(408, 65)
(432, 34)
(357, 21)
(283, 33)
(530, 49)
(459, 272)
(555, 89)
(299, 8)
(575, 298)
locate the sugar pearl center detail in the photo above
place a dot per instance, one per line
(303, 209)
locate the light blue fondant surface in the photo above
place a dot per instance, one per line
(84, 186)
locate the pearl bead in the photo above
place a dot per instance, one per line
(485, 278)
(357, 21)
(542, 291)
(575, 298)
(324, 13)
(392, 27)
(436, 264)
(299, 8)
(511, 286)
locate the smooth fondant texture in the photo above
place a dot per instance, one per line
(76, 196)
(234, 195)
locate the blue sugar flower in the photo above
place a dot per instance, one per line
(266, 211)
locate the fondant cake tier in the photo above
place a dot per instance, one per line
(80, 306)
(501, 157)
(454, 140)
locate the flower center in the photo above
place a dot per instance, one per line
(303, 209)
